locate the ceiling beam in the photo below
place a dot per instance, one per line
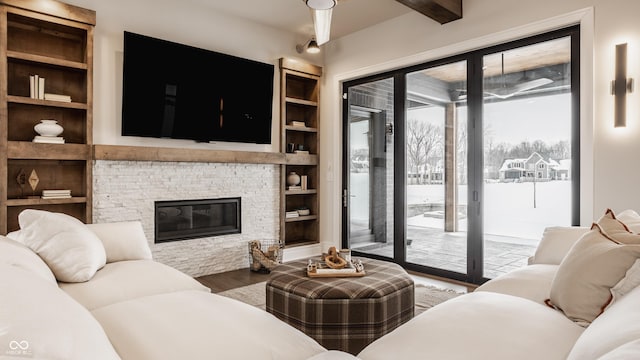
(442, 11)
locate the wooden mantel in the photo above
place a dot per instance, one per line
(142, 153)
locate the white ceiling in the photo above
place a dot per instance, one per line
(293, 16)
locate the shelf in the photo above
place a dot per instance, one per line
(291, 100)
(46, 60)
(142, 153)
(36, 202)
(301, 192)
(301, 218)
(59, 104)
(301, 128)
(40, 151)
(298, 159)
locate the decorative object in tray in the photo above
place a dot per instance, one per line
(333, 264)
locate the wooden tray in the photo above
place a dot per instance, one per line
(336, 274)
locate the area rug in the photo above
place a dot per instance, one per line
(426, 296)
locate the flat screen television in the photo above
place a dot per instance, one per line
(176, 91)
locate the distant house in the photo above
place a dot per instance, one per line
(535, 166)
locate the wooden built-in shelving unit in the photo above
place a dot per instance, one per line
(55, 41)
(299, 102)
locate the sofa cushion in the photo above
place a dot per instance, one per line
(17, 254)
(122, 240)
(196, 325)
(480, 325)
(556, 242)
(595, 264)
(40, 321)
(71, 251)
(531, 282)
(631, 219)
(617, 326)
(125, 280)
(627, 351)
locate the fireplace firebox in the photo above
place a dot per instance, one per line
(190, 219)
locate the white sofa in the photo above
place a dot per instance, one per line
(135, 308)
(131, 308)
(507, 318)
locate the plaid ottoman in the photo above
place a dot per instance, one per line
(342, 313)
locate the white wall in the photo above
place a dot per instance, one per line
(183, 22)
(608, 171)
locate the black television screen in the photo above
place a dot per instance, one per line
(177, 91)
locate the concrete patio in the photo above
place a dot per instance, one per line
(436, 248)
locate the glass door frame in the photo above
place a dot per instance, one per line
(475, 153)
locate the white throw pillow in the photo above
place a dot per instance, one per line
(19, 255)
(631, 219)
(556, 242)
(595, 264)
(122, 240)
(40, 321)
(71, 251)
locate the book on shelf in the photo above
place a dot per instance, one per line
(304, 182)
(298, 123)
(302, 152)
(56, 97)
(36, 87)
(56, 194)
(294, 187)
(48, 139)
(291, 214)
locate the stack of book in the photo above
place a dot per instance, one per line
(56, 194)
(36, 87)
(57, 97)
(291, 214)
(298, 123)
(49, 139)
(294, 187)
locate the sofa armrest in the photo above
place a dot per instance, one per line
(555, 243)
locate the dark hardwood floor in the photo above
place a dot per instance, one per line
(231, 279)
(243, 277)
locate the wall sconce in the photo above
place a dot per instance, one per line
(310, 46)
(621, 86)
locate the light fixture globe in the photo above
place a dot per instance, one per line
(321, 4)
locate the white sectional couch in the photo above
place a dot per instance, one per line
(131, 307)
(507, 317)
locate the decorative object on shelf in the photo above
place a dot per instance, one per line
(33, 181)
(304, 182)
(293, 179)
(48, 128)
(21, 179)
(264, 261)
(304, 211)
(333, 259)
(291, 147)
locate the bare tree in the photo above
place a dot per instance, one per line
(422, 140)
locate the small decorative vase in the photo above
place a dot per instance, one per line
(293, 179)
(48, 128)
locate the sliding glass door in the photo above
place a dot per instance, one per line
(369, 158)
(435, 142)
(456, 166)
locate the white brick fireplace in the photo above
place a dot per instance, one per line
(127, 190)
